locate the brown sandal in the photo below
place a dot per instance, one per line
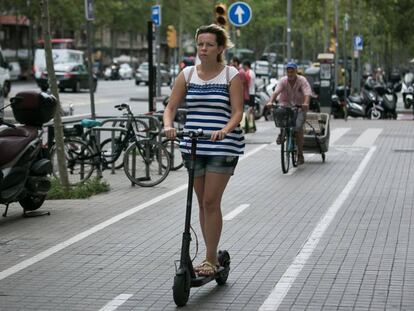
(206, 268)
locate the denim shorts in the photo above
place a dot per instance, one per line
(212, 163)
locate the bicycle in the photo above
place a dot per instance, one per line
(285, 119)
(173, 146)
(146, 162)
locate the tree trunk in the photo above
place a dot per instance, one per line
(58, 128)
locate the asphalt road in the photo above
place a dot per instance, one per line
(108, 94)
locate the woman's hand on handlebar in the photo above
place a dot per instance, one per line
(170, 132)
(218, 135)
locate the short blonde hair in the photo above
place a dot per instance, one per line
(222, 38)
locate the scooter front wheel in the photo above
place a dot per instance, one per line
(224, 261)
(181, 287)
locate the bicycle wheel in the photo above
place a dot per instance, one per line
(173, 148)
(79, 160)
(112, 152)
(146, 163)
(284, 153)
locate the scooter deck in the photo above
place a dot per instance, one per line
(201, 280)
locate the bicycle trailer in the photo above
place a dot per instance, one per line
(316, 133)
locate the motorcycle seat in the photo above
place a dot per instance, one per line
(355, 99)
(14, 140)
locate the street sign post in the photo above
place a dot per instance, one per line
(358, 43)
(240, 14)
(156, 15)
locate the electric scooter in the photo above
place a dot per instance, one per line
(185, 276)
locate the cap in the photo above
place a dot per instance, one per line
(291, 65)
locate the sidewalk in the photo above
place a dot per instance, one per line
(125, 242)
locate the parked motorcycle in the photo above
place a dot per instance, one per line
(342, 107)
(387, 100)
(24, 163)
(408, 90)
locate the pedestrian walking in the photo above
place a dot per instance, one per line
(249, 103)
(294, 91)
(214, 97)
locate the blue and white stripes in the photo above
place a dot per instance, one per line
(209, 108)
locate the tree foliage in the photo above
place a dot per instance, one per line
(385, 24)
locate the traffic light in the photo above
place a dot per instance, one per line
(171, 36)
(221, 15)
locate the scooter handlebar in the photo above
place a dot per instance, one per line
(199, 134)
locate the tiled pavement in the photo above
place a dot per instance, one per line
(363, 261)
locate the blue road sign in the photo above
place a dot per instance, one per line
(358, 43)
(89, 10)
(240, 14)
(156, 15)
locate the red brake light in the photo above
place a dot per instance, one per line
(68, 75)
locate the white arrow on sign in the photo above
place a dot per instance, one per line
(239, 12)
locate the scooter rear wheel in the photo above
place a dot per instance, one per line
(181, 287)
(224, 261)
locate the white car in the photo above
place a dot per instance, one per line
(15, 71)
(125, 71)
(4, 76)
(261, 67)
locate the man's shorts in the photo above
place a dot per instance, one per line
(300, 120)
(212, 163)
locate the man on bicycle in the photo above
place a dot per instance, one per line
(294, 91)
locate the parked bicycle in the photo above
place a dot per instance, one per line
(145, 161)
(285, 118)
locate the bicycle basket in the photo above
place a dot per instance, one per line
(76, 130)
(284, 117)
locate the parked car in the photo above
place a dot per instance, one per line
(69, 76)
(125, 71)
(261, 67)
(60, 56)
(142, 74)
(4, 75)
(15, 71)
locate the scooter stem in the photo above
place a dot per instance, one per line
(185, 248)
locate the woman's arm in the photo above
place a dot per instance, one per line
(236, 102)
(177, 96)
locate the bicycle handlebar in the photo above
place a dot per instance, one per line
(121, 106)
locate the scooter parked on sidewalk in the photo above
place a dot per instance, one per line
(344, 107)
(185, 276)
(24, 163)
(408, 90)
(387, 101)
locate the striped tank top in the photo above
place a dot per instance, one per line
(209, 109)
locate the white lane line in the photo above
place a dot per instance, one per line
(235, 212)
(338, 133)
(367, 138)
(58, 247)
(116, 302)
(252, 152)
(282, 287)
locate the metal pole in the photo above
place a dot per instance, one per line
(288, 30)
(90, 73)
(150, 67)
(158, 47)
(345, 58)
(336, 44)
